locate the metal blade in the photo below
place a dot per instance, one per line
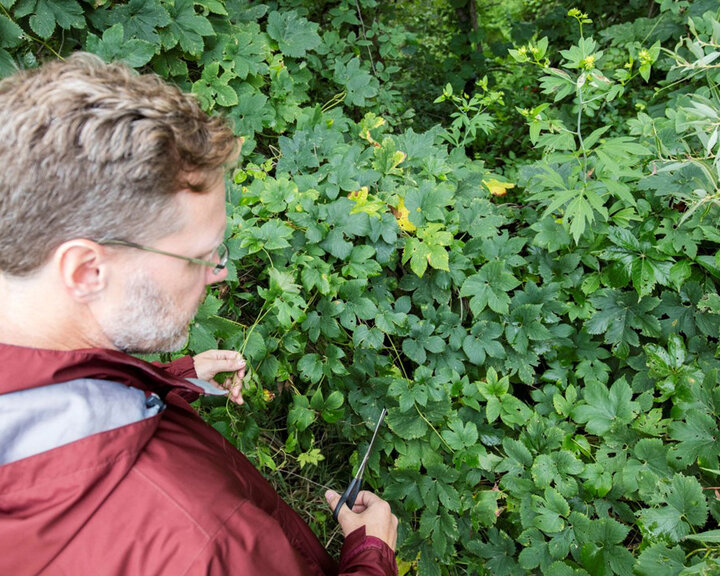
(361, 469)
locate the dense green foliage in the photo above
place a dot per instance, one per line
(513, 249)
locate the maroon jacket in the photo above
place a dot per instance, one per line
(165, 495)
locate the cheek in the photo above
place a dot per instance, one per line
(189, 290)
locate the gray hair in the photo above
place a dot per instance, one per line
(94, 150)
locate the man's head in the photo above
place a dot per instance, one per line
(93, 152)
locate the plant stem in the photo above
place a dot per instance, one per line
(579, 132)
(362, 27)
(434, 429)
(33, 38)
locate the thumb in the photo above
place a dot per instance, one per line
(333, 498)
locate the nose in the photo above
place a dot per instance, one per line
(212, 278)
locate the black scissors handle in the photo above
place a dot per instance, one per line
(348, 497)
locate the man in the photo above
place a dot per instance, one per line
(112, 208)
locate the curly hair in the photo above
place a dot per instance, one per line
(95, 150)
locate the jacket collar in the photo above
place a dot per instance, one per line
(22, 368)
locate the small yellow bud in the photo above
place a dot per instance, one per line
(588, 63)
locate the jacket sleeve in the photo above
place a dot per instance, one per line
(367, 556)
(251, 542)
(182, 367)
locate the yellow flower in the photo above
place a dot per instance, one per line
(498, 188)
(589, 62)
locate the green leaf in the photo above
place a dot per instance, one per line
(711, 536)
(310, 367)
(489, 287)
(312, 458)
(10, 33)
(483, 341)
(680, 272)
(620, 317)
(428, 202)
(427, 248)
(407, 425)
(418, 253)
(360, 86)
(201, 338)
(300, 415)
(500, 553)
(254, 347)
(601, 551)
(518, 452)
(47, 14)
(141, 19)
(459, 435)
(294, 34)
(485, 510)
(186, 28)
(686, 506)
(643, 276)
(334, 401)
(604, 408)
(214, 87)
(247, 54)
(113, 46)
(659, 560)
(698, 437)
(272, 235)
(336, 245)
(7, 64)
(438, 258)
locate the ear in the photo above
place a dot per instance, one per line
(82, 267)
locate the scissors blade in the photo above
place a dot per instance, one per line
(361, 469)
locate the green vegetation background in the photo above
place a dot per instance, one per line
(497, 219)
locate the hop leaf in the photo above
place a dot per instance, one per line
(605, 407)
(402, 215)
(498, 188)
(294, 34)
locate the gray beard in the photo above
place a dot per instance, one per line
(148, 321)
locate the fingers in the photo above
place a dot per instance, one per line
(211, 362)
(369, 511)
(235, 385)
(365, 499)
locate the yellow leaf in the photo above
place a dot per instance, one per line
(359, 195)
(367, 203)
(407, 567)
(370, 122)
(498, 188)
(398, 158)
(401, 215)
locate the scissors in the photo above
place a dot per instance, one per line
(351, 493)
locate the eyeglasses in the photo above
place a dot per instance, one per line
(222, 254)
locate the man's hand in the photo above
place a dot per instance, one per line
(212, 362)
(370, 511)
